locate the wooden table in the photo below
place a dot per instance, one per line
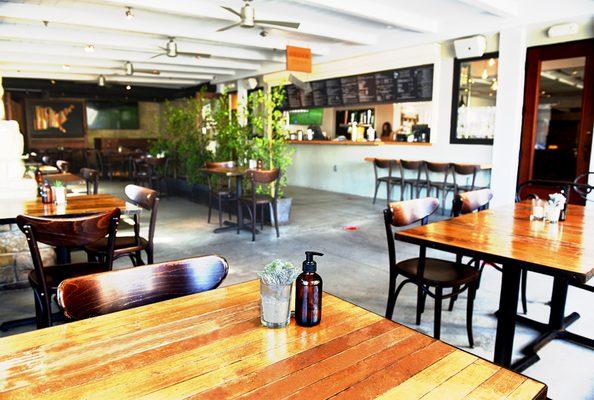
(482, 166)
(65, 177)
(505, 235)
(237, 173)
(75, 206)
(211, 346)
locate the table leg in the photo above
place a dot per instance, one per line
(238, 192)
(506, 324)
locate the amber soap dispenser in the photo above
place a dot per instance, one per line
(308, 293)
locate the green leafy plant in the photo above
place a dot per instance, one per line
(269, 141)
(279, 272)
(231, 137)
(58, 184)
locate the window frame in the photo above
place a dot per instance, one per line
(455, 95)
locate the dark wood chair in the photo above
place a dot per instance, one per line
(66, 233)
(157, 167)
(108, 292)
(258, 177)
(392, 166)
(415, 168)
(465, 172)
(426, 273)
(442, 187)
(141, 172)
(219, 188)
(91, 177)
(132, 246)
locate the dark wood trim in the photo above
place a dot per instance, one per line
(534, 59)
(455, 93)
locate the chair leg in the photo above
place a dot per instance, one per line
(220, 212)
(275, 210)
(377, 185)
(40, 317)
(209, 206)
(149, 255)
(420, 301)
(469, 312)
(524, 279)
(263, 207)
(138, 256)
(392, 297)
(437, 321)
(133, 259)
(453, 298)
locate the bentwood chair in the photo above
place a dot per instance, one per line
(91, 177)
(108, 292)
(465, 173)
(413, 168)
(132, 246)
(430, 275)
(63, 166)
(67, 233)
(442, 187)
(219, 187)
(261, 177)
(390, 180)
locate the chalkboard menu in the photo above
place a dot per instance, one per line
(394, 86)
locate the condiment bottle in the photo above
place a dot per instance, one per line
(563, 213)
(39, 180)
(47, 195)
(308, 293)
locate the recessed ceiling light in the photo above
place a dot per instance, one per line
(129, 13)
(89, 48)
(128, 87)
(53, 82)
(66, 67)
(491, 62)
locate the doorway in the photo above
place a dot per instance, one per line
(558, 113)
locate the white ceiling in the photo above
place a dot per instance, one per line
(333, 29)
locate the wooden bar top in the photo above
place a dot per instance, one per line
(485, 166)
(506, 233)
(351, 143)
(75, 205)
(212, 346)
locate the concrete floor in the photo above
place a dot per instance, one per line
(355, 267)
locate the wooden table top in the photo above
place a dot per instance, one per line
(485, 166)
(76, 205)
(506, 233)
(212, 346)
(65, 177)
(237, 171)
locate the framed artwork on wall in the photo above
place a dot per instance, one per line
(55, 118)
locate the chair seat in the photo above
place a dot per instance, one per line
(260, 199)
(123, 244)
(442, 185)
(411, 181)
(55, 275)
(395, 179)
(439, 272)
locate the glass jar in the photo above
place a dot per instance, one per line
(538, 209)
(553, 213)
(275, 305)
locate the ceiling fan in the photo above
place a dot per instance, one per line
(248, 19)
(130, 70)
(170, 50)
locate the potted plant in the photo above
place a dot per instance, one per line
(276, 282)
(59, 192)
(269, 141)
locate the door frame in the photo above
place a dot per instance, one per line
(534, 58)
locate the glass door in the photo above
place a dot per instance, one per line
(558, 113)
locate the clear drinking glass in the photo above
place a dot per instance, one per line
(538, 209)
(275, 305)
(553, 213)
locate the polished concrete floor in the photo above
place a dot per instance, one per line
(355, 267)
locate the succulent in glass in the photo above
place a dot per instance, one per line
(279, 272)
(276, 282)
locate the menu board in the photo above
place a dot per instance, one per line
(394, 86)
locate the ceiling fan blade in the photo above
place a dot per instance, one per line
(201, 55)
(148, 71)
(232, 11)
(278, 23)
(228, 27)
(157, 55)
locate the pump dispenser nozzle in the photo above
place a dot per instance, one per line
(309, 265)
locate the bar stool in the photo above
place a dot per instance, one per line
(465, 171)
(442, 187)
(389, 180)
(414, 167)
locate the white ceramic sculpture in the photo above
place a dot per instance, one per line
(12, 183)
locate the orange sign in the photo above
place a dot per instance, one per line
(298, 59)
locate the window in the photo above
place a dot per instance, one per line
(474, 100)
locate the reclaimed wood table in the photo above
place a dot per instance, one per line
(66, 178)
(505, 235)
(237, 173)
(211, 345)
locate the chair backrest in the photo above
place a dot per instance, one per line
(383, 163)
(46, 160)
(91, 177)
(147, 199)
(104, 293)
(220, 164)
(63, 166)
(411, 165)
(536, 188)
(263, 176)
(467, 202)
(465, 169)
(407, 212)
(438, 167)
